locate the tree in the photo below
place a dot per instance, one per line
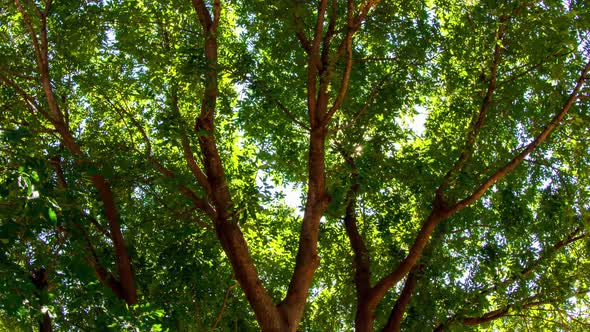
(145, 146)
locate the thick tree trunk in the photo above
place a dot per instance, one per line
(39, 279)
(45, 324)
(365, 318)
(307, 260)
(235, 247)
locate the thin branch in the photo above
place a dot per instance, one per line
(32, 33)
(441, 211)
(300, 30)
(344, 82)
(346, 46)
(47, 7)
(478, 122)
(186, 145)
(267, 93)
(223, 306)
(376, 59)
(374, 93)
(104, 276)
(18, 74)
(174, 212)
(533, 265)
(318, 31)
(198, 202)
(26, 97)
(329, 33)
(531, 67)
(313, 68)
(291, 115)
(530, 147)
(362, 262)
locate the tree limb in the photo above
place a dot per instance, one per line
(397, 313)
(478, 122)
(530, 147)
(223, 306)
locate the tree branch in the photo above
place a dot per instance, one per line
(223, 306)
(228, 231)
(372, 95)
(353, 26)
(533, 265)
(104, 276)
(300, 30)
(200, 203)
(362, 262)
(186, 146)
(530, 147)
(26, 97)
(32, 33)
(478, 122)
(204, 15)
(100, 183)
(397, 313)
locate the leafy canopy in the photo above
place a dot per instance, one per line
(294, 165)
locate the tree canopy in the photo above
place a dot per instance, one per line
(293, 165)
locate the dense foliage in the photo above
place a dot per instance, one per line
(322, 165)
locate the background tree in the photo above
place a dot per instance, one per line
(441, 149)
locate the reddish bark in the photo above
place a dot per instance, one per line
(442, 211)
(307, 259)
(286, 315)
(397, 314)
(228, 232)
(55, 116)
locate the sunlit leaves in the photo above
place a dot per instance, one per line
(129, 77)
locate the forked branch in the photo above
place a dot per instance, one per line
(478, 121)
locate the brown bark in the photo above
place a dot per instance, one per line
(487, 317)
(442, 211)
(397, 314)
(364, 318)
(228, 232)
(437, 215)
(223, 306)
(55, 116)
(40, 280)
(532, 146)
(104, 276)
(122, 260)
(307, 259)
(45, 324)
(287, 315)
(320, 113)
(478, 121)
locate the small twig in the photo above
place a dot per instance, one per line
(223, 306)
